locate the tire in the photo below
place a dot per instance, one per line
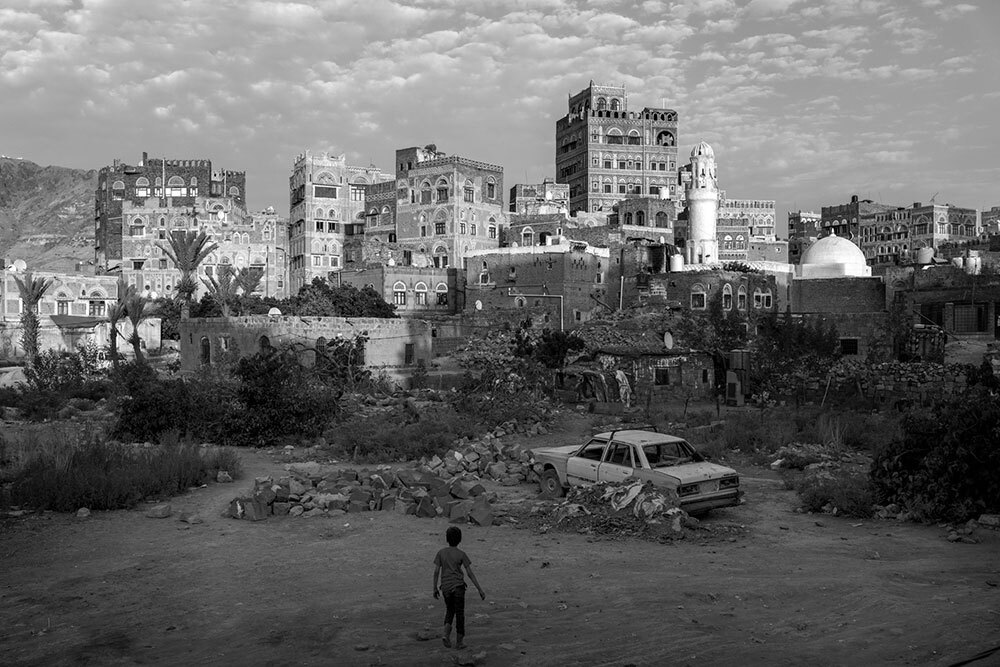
(550, 485)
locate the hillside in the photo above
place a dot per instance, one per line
(46, 215)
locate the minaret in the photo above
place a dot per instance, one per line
(702, 194)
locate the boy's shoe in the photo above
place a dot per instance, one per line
(460, 644)
(447, 642)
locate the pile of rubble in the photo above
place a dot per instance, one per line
(808, 456)
(313, 489)
(491, 455)
(631, 508)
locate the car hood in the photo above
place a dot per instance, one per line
(560, 452)
(690, 473)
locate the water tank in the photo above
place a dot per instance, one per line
(925, 255)
(958, 261)
(973, 265)
(676, 262)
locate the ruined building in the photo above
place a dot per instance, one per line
(326, 205)
(607, 153)
(138, 206)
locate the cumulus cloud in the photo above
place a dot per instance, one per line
(792, 92)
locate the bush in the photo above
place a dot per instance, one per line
(850, 493)
(371, 440)
(946, 464)
(104, 476)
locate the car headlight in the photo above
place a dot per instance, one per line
(729, 482)
(687, 490)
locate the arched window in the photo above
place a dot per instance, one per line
(425, 192)
(615, 104)
(633, 138)
(519, 302)
(492, 230)
(602, 104)
(758, 298)
(527, 237)
(469, 192)
(698, 297)
(628, 218)
(727, 297)
(234, 191)
(665, 138)
(662, 220)
(194, 181)
(440, 257)
(491, 188)
(420, 290)
(399, 293)
(142, 187)
(206, 351)
(332, 214)
(614, 136)
(319, 213)
(741, 298)
(442, 294)
(640, 218)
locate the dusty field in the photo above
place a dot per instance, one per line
(121, 589)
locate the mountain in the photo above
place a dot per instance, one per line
(47, 216)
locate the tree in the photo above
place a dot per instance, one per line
(223, 289)
(116, 313)
(320, 299)
(248, 279)
(137, 309)
(32, 290)
(554, 347)
(188, 249)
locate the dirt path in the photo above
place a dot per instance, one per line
(122, 589)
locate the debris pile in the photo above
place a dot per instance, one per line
(312, 489)
(491, 456)
(631, 508)
(809, 456)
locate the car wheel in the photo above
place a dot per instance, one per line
(550, 485)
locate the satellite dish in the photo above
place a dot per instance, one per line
(668, 340)
(19, 266)
(274, 312)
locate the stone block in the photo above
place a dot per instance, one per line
(280, 493)
(360, 496)
(329, 486)
(161, 511)
(497, 470)
(296, 488)
(481, 513)
(459, 511)
(281, 508)
(296, 510)
(387, 503)
(355, 506)
(313, 512)
(264, 495)
(331, 501)
(426, 508)
(223, 477)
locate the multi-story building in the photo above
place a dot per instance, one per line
(844, 220)
(135, 212)
(803, 224)
(446, 207)
(933, 224)
(326, 204)
(539, 198)
(742, 223)
(605, 152)
(884, 237)
(990, 221)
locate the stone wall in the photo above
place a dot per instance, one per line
(838, 295)
(211, 339)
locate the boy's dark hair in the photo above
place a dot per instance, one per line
(453, 535)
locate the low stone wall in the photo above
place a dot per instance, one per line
(883, 384)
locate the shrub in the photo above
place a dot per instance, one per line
(946, 464)
(370, 440)
(850, 493)
(102, 476)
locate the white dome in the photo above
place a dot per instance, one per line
(702, 149)
(833, 257)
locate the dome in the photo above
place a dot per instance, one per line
(703, 149)
(833, 257)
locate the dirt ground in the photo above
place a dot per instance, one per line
(787, 589)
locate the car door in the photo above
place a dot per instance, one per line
(618, 463)
(581, 468)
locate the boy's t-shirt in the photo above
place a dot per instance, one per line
(450, 559)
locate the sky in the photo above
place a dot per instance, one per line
(804, 101)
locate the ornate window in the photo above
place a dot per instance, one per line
(234, 191)
(469, 192)
(491, 188)
(420, 290)
(442, 294)
(527, 237)
(399, 293)
(727, 297)
(698, 297)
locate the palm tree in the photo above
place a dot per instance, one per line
(32, 290)
(223, 289)
(187, 250)
(249, 279)
(137, 309)
(116, 313)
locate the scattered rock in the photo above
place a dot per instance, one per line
(161, 511)
(989, 521)
(426, 635)
(191, 518)
(297, 510)
(362, 647)
(223, 477)
(82, 513)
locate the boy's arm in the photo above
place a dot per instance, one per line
(472, 578)
(437, 574)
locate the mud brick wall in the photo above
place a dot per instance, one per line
(885, 384)
(838, 295)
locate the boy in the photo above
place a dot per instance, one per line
(448, 566)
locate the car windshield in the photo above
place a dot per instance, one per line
(663, 454)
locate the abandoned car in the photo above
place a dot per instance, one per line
(667, 461)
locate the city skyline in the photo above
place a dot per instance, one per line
(806, 102)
